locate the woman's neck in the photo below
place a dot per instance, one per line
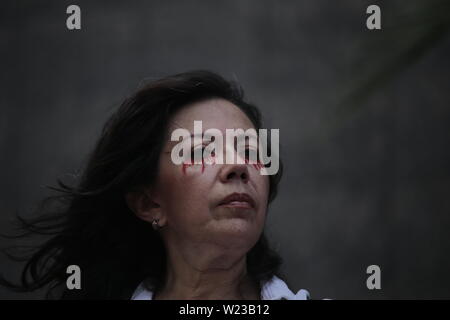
(204, 279)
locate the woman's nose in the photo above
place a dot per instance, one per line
(231, 172)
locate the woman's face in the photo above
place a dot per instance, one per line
(191, 198)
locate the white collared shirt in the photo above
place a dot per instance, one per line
(274, 289)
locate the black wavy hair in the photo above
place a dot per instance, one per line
(90, 225)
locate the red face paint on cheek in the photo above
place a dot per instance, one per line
(258, 166)
(184, 166)
(210, 161)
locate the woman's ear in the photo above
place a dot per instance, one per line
(144, 206)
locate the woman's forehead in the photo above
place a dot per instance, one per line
(213, 113)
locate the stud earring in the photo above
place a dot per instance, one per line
(155, 224)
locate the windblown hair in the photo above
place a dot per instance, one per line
(90, 225)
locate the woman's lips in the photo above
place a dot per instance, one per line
(238, 200)
(237, 204)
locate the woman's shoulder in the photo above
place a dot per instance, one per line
(273, 289)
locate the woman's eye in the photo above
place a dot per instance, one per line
(251, 153)
(197, 149)
(210, 153)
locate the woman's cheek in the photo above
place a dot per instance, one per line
(264, 192)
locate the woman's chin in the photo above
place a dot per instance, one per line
(230, 212)
(236, 230)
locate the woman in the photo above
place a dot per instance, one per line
(140, 226)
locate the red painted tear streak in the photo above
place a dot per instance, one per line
(258, 166)
(184, 166)
(210, 160)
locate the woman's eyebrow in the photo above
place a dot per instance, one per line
(172, 142)
(191, 137)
